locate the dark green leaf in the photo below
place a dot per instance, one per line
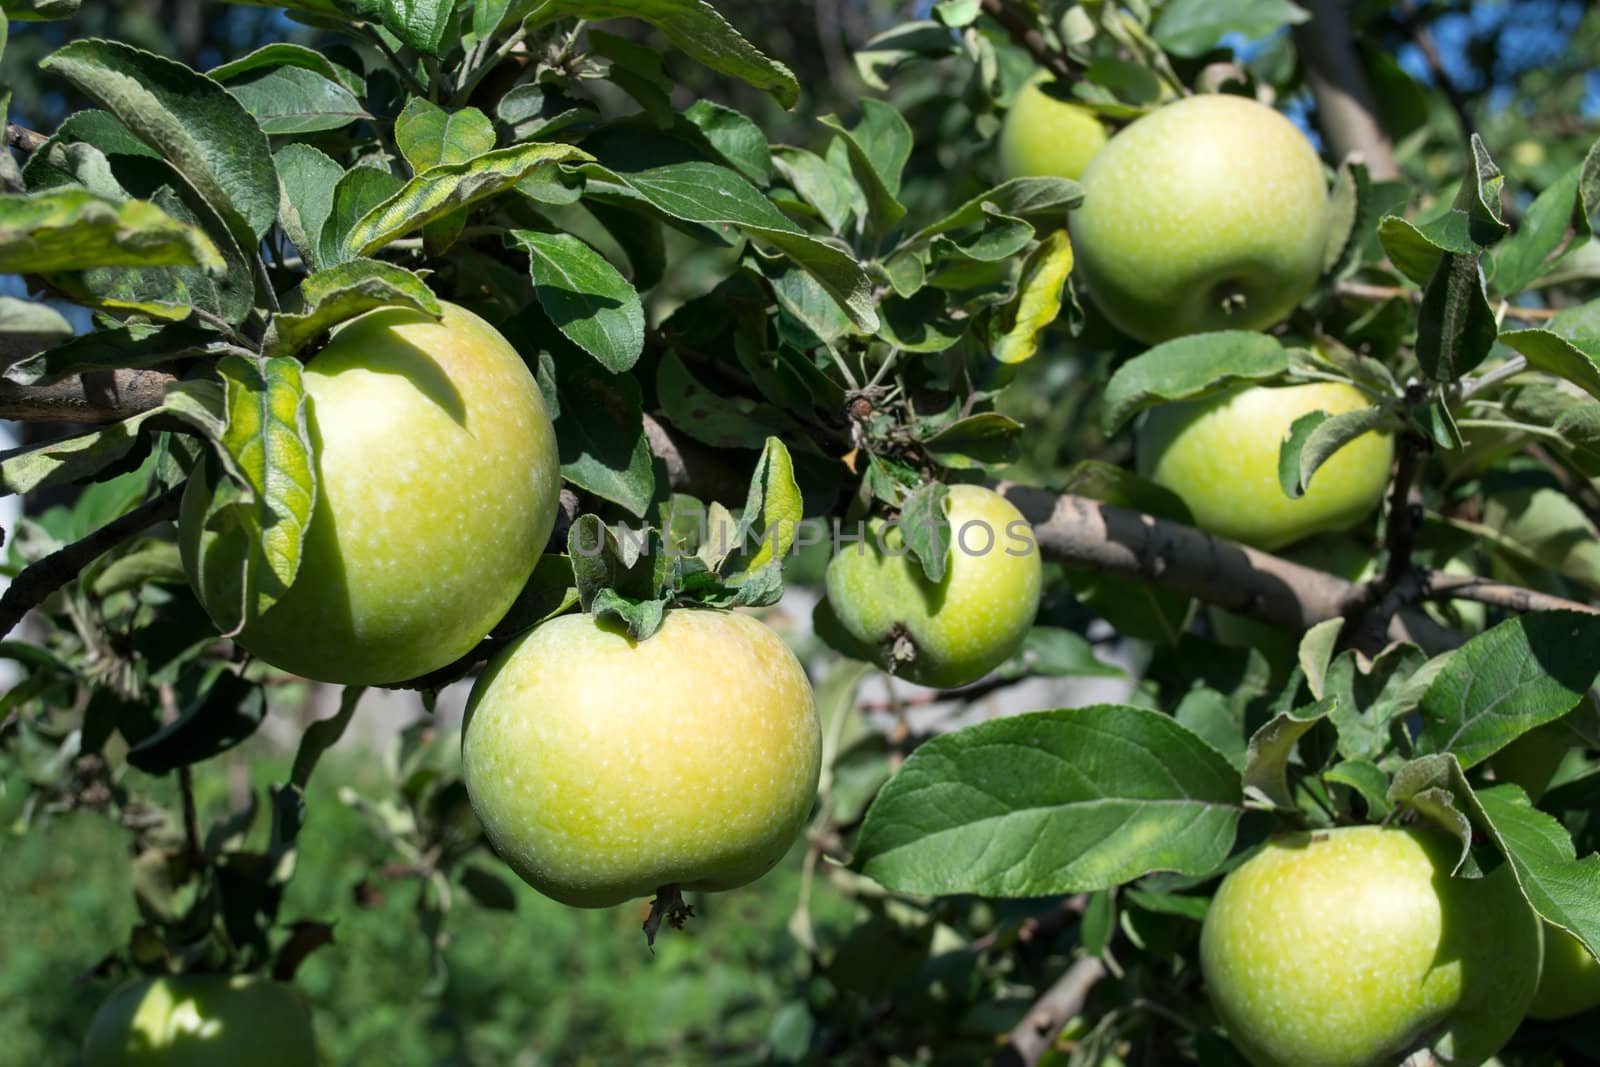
(1052, 802)
(585, 297)
(926, 524)
(306, 180)
(1188, 368)
(191, 120)
(428, 135)
(1456, 327)
(1523, 673)
(1556, 355)
(985, 440)
(125, 346)
(1316, 437)
(72, 229)
(336, 295)
(289, 100)
(222, 710)
(1193, 27)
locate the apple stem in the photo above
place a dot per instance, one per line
(668, 906)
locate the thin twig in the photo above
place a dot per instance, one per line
(43, 577)
(399, 65)
(463, 92)
(1031, 39)
(1365, 291)
(1439, 586)
(1509, 369)
(24, 138)
(191, 817)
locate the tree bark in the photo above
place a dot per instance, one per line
(1346, 111)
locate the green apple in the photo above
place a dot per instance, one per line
(604, 769)
(1220, 454)
(1210, 213)
(1045, 136)
(202, 1021)
(1569, 984)
(959, 629)
(1356, 947)
(438, 484)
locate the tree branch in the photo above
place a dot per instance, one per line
(1031, 39)
(43, 577)
(1345, 107)
(1059, 1005)
(1439, 586)
(95, 398)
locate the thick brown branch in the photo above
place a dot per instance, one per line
(39, 579)
(1345, 109)
(1031, 39)
(24, 138)
(96, 398)
(1059, 1005)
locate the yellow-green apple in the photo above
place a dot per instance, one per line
(949, 633)
(202, 1021)
(1569, 984)
(1356, 947)
(438, 483)
(1210, 213)
(1220, 454)
(604, 769)
(1045, 136)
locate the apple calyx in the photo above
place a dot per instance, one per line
(668, 906)
(1232, 298)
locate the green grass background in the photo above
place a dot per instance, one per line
(543, 984)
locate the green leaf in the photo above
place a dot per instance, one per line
(1528, 254)
(989, 439)
(31, 10)
(267, 448)
(39, 323)
(819, 183)
(64, 462)
(1042, 199)
(1189, 368)
(615, 575)
(925, 521)
(283, 54)
(1052, 652)
(323, 735)
(1417, 250)
(1369, 782)
(72, 229)
(1267, 759)
(1192, 27)
(1317, 437)
(599, 424)
(880, 57)
(1052, 802)
(1037, 303)
(428, 135)
(1479, 196)
(585, 297)
(446, 188)
(1521, 674)
(359, 191)
(1542, 524)
(774, 496)
(878, 149)
(693, 25)
(721, 421)
(1456, 327)
(191, 120)
(1563, 889)
(340, 293)
(735, 137)
(306, 181)
(125, 346)
(291, 99)
(219, 710)
(707, 194)
(1556, 355)
(419, 23)
(1349, 216)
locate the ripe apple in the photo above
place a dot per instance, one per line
(1220, 454)
(604, 769)
(1045, 136)
(202, 1021)
(1210, 213)
(1356, 947)
(963, 627)
(437, 487)
(1569, 984)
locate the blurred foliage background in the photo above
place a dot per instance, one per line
(530, 982)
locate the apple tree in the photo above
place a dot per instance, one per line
(782, 477)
